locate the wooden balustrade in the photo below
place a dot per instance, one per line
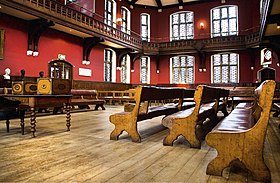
(55, 11)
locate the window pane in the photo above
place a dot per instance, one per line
(233, 74)
(216, 27)
(144, 19)
(217, 74)
(190, 61)
(224, 26)
(232, 12)
(232, 26)
(175, 19)
(190, 17)
(233, 59)
(176, 75)
(182, 18)
(176, 62)
(190, 75)
(217, 60)
(224, 13)
(216, 14)
(175, 31)
(182, 31)
(225, 59)
(225, 74)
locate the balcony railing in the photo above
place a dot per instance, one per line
(94, 25)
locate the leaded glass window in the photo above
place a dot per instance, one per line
(108, 57)
(124, 14)
(225, 68)
(144, 70)
(124, 72)
(224, 21)
(109, 4)
(145, 22)
(182, 25)
(182, 69)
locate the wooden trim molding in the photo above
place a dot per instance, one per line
(2, 43)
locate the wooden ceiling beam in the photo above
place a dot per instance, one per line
(181, 2)
(159, 4)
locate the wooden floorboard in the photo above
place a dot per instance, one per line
(85, 154)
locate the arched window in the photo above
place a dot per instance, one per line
(224, 21)
(110, 13)
(145, 70)
(225, 68)
(181, 25)
(182, 69)
(125, 26)
(145, 26)
(125, 69)
(109, 65)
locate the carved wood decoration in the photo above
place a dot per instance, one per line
(120, 54)
(88, 44)
(1, 44)
(198, 46)
(36, 28)
(252, 52)
(133, 57)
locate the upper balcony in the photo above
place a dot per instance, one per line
(93, 26)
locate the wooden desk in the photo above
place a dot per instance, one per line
(41, 101)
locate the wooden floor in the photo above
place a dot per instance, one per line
(86, 153)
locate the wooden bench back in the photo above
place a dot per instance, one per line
(84, 94)
(144, 94)
(209, 94)
(157, 93)
(262, 104)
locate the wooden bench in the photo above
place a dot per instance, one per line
(84, 98)
(111, 97)
(127, 120)
(191, 123)
(241, 94)
(240, 136)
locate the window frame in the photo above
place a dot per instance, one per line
(145, 25)
(180, 79)
(212, 67)
(127, 70)
(220, 20)
(187, 37)
(112, 62)
(125, 29)
(112, 13)
(147, 70)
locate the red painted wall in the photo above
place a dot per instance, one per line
(54, 42)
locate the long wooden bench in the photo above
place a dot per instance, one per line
(111, 97)
(84, 98)
(240, 136)
(127, 120)
(191, 123)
